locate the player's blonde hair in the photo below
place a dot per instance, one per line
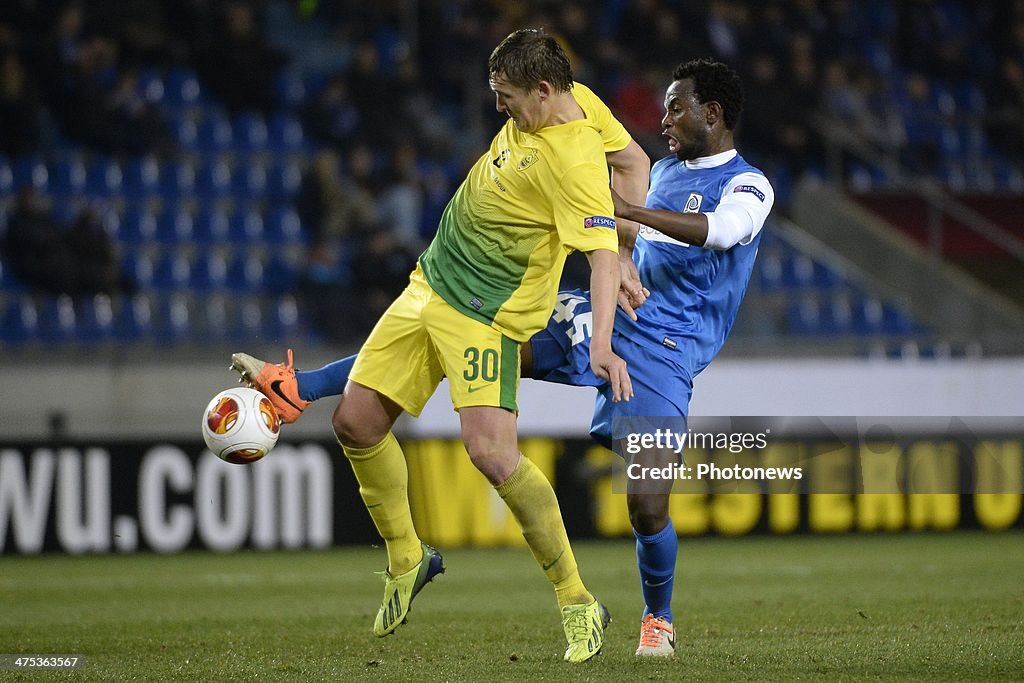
(528, 56)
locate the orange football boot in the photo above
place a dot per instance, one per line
(275, 380)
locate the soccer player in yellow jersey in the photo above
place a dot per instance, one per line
(485, 284)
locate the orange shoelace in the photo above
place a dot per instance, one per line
(651, 630)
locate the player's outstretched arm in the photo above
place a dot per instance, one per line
(691, 228)
(631, 169)
(604, 287)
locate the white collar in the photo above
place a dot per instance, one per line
(711, 161)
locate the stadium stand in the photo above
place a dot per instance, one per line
(214, 208)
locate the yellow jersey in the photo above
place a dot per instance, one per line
(525, 205)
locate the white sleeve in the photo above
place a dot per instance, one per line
(741, 213)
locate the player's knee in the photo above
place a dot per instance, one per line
(648, 513)
(352, 430)
(495, 459)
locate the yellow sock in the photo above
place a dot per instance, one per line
(384, 485)
(529, 496)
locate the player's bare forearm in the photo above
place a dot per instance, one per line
(691, 228)
(631, 170)
(604, 288)
(604, 284)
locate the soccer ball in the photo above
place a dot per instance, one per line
(240, 425)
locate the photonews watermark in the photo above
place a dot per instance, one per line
(841, 455)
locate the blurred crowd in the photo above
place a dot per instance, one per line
(393, 97)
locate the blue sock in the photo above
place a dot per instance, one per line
(656, 558)
(329, 380)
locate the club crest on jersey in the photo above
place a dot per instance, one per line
(750, 189)
(693, 203)
(599, 222)
(529, 159)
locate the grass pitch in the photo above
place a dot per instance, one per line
(901, 607)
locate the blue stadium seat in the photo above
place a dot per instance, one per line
(8, 281)
(6, 177)
(250, 181)
(68, 176)
(173, 320)
(138, 226)
(970, 98)
(214, 321)
(825, 277)
(20, 322)
(279, 275)
(104, 178)
(973, 140)
(184, 131)
(181, 87)
(135, 319)
(878, 54)
(178, 180)
(286, 134)
(1008, 177)
(770, 238)
(31, 171)
(243, 320)
(867, 315)
(250, 133)
(952, 173)
(57, 323)
(213, 181)
(138, 268)
(247, 320)
(95, 316)
(896, 319)
(210, 272)
(246, 226)
(949, 143)
(172, 272)
(290, 89)
(283, 226)
(245, 274)
(174, 226)
(283, 320)
(803, 316)
(836, 316)
(141, 178)
(283, 181)
(215, 134)
(797, 270)
(768, 268)
(110, 219)
(211, 226)
(151, 86)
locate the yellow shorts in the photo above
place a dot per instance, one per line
(420, 339)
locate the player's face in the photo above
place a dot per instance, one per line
(685, 122)
(522, 106)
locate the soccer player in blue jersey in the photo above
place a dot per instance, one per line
(694, 251)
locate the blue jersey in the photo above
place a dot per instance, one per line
(695, 295)
(695, 292)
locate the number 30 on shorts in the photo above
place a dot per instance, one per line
(480, 364)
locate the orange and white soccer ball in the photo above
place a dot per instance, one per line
(240, 425)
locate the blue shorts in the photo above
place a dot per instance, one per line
(561, 353)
